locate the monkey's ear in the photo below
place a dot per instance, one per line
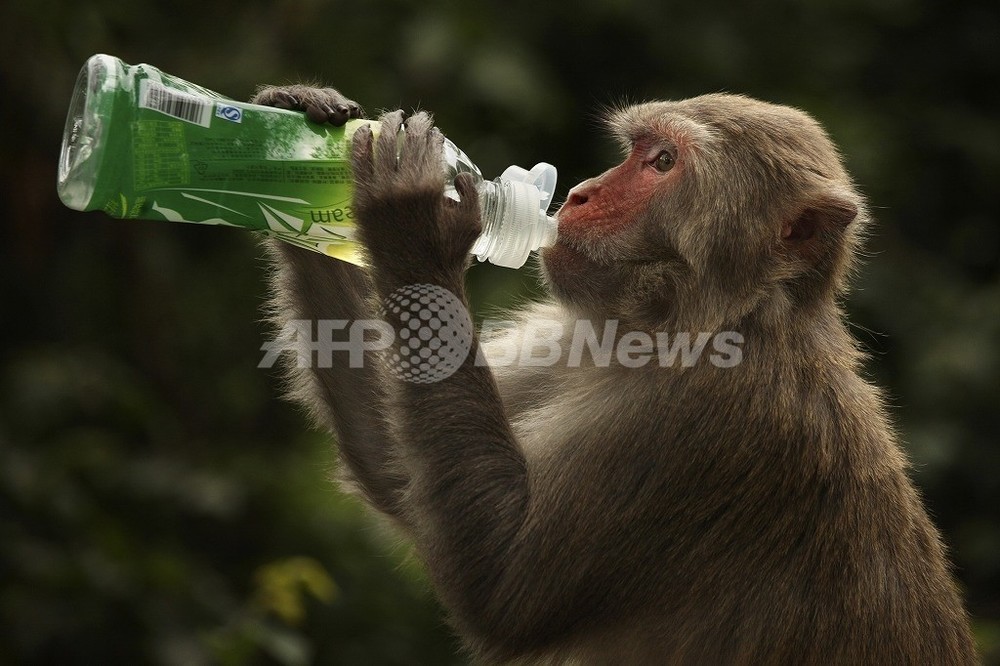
(829, 214)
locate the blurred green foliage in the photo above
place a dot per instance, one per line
(160, 504)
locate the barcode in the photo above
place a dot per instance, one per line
(190, 108)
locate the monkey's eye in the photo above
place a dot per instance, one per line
(664, 161)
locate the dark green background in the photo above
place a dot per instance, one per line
(148, 470)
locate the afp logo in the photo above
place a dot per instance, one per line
(233, 114)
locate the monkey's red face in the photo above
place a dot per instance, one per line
(602, 234)
(612, 201)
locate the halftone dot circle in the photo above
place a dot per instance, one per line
(434, 336)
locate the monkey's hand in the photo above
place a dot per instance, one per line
(321, 105)
(412, 232)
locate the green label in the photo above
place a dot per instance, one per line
(171, 150)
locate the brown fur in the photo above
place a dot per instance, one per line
(759, 514)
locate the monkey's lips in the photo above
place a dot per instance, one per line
(575, 223)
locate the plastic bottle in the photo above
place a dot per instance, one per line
(139, 143)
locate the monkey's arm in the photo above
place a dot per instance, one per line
(308, 286)
(469, 495)
(350, 401)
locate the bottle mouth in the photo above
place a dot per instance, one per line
(513, 226)
(89, 111)
(513, 215)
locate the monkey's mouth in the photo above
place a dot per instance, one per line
(567, 252)
(567, 263)
(563, 251)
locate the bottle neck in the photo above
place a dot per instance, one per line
(513, 223)
(491, 210)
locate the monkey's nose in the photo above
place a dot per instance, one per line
(576, 198)
(579, 202)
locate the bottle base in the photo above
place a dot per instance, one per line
(80, 154)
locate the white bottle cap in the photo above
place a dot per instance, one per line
(525, 226)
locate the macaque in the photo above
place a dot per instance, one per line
(604, 512)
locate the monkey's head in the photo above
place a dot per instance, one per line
(723, 205)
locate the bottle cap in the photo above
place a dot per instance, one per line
(543, 176)
(525, 226)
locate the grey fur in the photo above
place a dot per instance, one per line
(759, 514)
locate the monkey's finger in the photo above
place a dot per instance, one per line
(321, 113)
(355, 110)
(387, 147)
(419, 124)
(465, 184)
(462, 220)
(420, 153)
(433, 153)
(339, 109)
(361, 158)
(337, 115)
(414, 131)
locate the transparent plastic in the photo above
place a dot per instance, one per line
(139, 143)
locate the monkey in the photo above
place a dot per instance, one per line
(758, 512)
